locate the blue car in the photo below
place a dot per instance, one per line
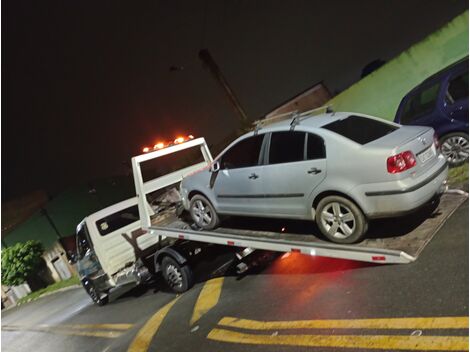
(441, 102)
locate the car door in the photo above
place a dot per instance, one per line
(456, 97)
(295, 166)
(237, 185)
(420, 108)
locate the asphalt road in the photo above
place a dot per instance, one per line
(286, 302)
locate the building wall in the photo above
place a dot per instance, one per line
(35, 228)
(308, 100)
(380, 93)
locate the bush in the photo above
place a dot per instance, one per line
(20, 261)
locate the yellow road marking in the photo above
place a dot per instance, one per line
(143, 338)
(391, 323)
(421, 343)
(207, 299)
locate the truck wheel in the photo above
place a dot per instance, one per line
(178, 277)
(96, 296)
(340, 220)
(203, 213)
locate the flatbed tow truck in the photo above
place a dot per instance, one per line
(400, 249)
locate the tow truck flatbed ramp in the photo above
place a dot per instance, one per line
(392, 248)
(402, 248)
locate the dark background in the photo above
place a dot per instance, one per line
(87, 84)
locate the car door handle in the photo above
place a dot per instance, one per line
(314, 170)
(253, 176)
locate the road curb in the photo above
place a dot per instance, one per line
(45, 294)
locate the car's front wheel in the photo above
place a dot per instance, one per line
(340, 220)
(454, 146)
(203, 213)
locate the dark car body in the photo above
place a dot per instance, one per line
(441, 102)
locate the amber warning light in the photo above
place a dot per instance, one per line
(161, 145)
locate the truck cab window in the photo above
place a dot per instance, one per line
(118, 220)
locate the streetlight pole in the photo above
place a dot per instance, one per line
(209, 62)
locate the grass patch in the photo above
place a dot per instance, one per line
(74, 280)
(458, 175)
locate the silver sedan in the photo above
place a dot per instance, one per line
(338, 169)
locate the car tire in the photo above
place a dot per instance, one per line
(96, 296)
(340, 220)
(178, 277)
(203, 213)
(452, 146)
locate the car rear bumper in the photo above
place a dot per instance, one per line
(389, 201)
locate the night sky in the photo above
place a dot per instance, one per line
(87, 84)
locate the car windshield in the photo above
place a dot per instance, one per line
(360, 129)
(83, 243)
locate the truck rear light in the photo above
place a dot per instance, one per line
(401, 162)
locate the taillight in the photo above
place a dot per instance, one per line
(401, 162)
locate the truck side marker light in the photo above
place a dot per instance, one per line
(378, 257)
(230, 243)
(181, 237)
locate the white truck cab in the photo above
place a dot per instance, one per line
(111, 249)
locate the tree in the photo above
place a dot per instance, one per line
(20, 261)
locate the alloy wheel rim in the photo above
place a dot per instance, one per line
(338, 220)
(455, 149)
(202, 213)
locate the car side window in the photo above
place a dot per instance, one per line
(243, 154)
(315, 147)
(286, 147)
(117, 220)
(420, 103)
(458, 88)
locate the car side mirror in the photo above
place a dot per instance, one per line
(215, 166)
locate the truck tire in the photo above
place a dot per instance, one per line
(178, 277)
(96, 296)
(340, 220)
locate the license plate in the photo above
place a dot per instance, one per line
(427, 154)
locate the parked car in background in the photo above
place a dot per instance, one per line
(340, 169)
(441, 102)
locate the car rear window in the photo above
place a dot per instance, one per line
(360, 129)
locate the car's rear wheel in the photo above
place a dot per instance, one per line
(340, 220)
(454, 146)
(203, 213)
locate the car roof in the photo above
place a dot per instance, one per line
(311, 121)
